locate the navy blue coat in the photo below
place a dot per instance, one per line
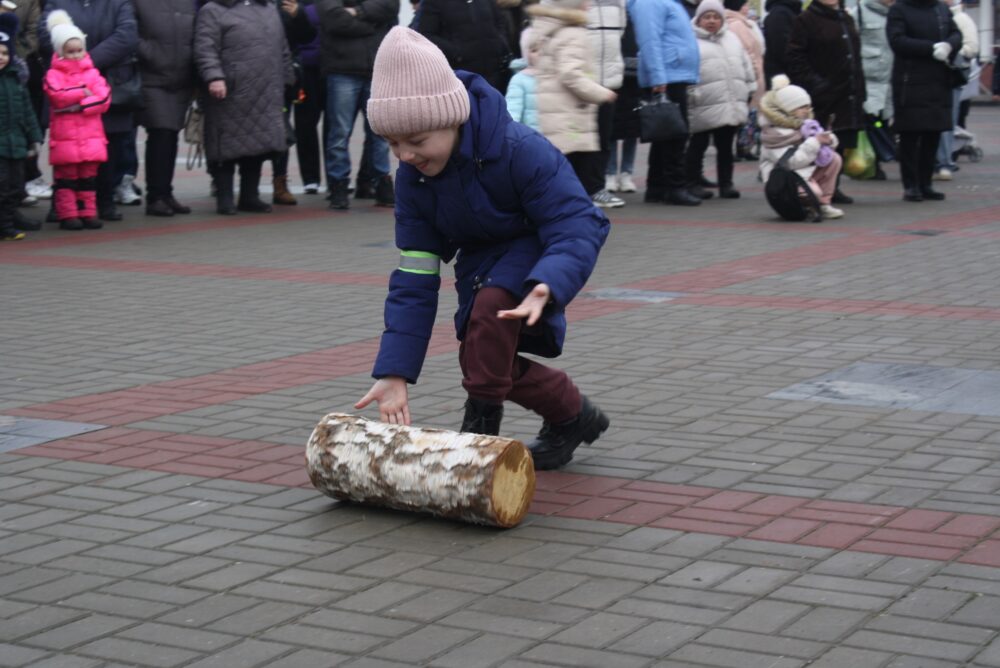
(510, 209)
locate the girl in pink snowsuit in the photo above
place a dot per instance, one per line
(78, 95)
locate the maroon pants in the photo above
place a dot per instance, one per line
(494, 372)
(75, 193)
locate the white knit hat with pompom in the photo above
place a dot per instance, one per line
(789, 97)
(62, 29)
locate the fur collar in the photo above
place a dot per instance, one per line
(570, 17)
(778, 117)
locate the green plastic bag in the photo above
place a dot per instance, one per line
(859, 162)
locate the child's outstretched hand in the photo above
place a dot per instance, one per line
(532, 306)
(390, 393)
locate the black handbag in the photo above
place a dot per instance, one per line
(881, 139)
(126, 89)
(789, 194)
(661, 120)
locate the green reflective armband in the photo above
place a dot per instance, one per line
(419, 262)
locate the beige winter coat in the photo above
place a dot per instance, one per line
(752, 40)
(566, 93)
(780, 131)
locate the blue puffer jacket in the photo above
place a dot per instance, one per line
(510, 207)
(668, 50)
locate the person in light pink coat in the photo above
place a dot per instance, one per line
(78, 95)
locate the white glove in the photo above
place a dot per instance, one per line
(941, 51)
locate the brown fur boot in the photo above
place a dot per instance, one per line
(281, 193)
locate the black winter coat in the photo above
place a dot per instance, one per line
(471, 33)
(921, 85)
(166, 61)
(348, 42)
(112, 41)
(824, 57)
(777, 26)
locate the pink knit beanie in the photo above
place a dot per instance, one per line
(413, 87)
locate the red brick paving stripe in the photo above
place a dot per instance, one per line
(984, 554)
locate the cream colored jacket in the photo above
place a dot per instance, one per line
(566, 92)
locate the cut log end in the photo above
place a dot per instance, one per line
(513, 485)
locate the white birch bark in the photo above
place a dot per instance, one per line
(470, 477)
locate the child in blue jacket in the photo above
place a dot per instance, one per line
(475, 186)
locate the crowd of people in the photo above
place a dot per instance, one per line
(253, 78)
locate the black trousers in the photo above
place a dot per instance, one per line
(605, 128)
(11, 184)
(589, 168)
(107, 173)
(916, 158)
(308, 112)
(694, 161)
(161, 157)
(250, 168)
(666, 158)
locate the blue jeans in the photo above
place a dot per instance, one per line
(346, 95)
(945, 146)
(628, 157)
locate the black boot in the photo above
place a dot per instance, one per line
(698, 191)
(338, 195)
(556, 442)
(250, 190)
(482, 417)
(727, 191)
(25, 224)
(384, 192)
(224, 201)
(681, 197)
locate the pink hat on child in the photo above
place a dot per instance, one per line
(413, 87)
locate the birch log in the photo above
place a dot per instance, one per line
(469, 477)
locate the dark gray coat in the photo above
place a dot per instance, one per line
(112, 40)
(242, 42)
(348, 43)
(166, 60)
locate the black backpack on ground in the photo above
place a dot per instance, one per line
(789, 194)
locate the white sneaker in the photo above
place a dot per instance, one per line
(611, 183)
(125, 192)
(943, 174)
(626, 184)
(606, 200)
(311, 188)
(39, 188)
(830, 211)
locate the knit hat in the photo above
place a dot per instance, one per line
(527, 37)
(8, 32)
(413, 88)
(734, 5)
(709, 6)
(62, 29)
(789, 97)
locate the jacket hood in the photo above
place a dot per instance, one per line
(71, 66)
(518, 64)
(570, 17)
(701, 33)
(483, 134)
(776, 115)
(876, 6)
(794, 5)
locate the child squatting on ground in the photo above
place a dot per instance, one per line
(19, 131)
(78, 95)
(475, 185)
(786, 121)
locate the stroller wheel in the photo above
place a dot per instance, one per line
(977, 154)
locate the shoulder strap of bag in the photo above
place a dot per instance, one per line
(783, 160)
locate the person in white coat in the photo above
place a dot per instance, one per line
(876, 61)
(606, 23)
(718, 104)
(944, 164)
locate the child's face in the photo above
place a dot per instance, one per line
(4, 56)
(803, 112)
(428, 151)
(73, 50)
(710, 22)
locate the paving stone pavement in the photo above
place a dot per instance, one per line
(160, 379)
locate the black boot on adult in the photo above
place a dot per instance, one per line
(912, 195)
(176, 206)
(840, 198)
(482, 417)
(681, 197)
(250, 200)
(224, 201)
(699, 192)
(159, 208)
(727, 191)
(931, 194)
(555, 443)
